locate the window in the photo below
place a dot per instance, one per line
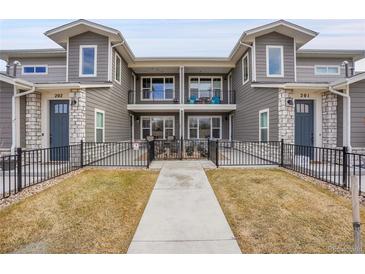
(245, 69)
(327, 70)
(207, 87)
(88, 57)
(264, 125)
(274, 61)
(118, 68)
(99, 125)
(157, 88)
(205, 127)
(37, 69)
(160, 127)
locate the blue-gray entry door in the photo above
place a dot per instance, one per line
(304, 126)
(59, 129)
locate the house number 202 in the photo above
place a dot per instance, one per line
(304, 95)
(58, 95)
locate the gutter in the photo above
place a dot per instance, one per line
(348, 112)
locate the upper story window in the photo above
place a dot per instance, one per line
(36, 69)
(264, 125)
(327, 70)
(245, 69)
(274, 61)
(205, 87)
(99, 125)
(118, 68)
(158, 88)
(88, 56)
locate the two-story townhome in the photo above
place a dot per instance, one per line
(94, 88)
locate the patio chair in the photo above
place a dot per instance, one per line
(193, 99)
(215, 100)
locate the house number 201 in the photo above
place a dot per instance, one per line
(58, 95)
(304, 95)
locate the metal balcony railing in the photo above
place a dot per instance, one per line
(206, 97)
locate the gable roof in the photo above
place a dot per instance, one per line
(61, 34)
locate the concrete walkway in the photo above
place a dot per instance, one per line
(183, 214)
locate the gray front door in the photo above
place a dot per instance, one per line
(304, 122)
(59, 121)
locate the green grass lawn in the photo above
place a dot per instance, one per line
(272, 211)
(96, 211)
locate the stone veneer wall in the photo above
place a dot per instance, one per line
(329, 119)
(286, 117)
(78, 117)
(33, 135)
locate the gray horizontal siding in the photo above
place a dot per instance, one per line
(305, 69)
(357, 92)
(139, 88)
(114, 102)
(56, 69)
(88, 38)
(249, 102)
(275, 39)
(6, 93)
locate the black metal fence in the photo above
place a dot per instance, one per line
(30, 167)
(179, 149)
(129, 154)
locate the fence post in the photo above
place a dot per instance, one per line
(181, 147)
(82, 153)
(217, 154)
(19, 168)
(356, 214)
(148, 153)
(282, 153)
(344, 167)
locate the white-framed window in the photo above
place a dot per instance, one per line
(99, 125)
(264, 125)
(206, 86)
(326, 70)
(202, 127)
(88, 60)
(34, 69)
(157, 88)
(274, 61)
(245, 69)
(118, 68)
(160, 127)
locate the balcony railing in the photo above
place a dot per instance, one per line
(206, 97)
(151, 96)
(212, 97)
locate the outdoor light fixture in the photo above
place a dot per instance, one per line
(290, 102)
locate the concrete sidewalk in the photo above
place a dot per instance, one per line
(183, 214)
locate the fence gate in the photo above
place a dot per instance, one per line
(178, 149)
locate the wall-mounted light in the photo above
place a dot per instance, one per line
(290, 102)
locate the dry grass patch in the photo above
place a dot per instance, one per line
(272, 211)
(96, 211)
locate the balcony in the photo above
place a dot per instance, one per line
(196, 98)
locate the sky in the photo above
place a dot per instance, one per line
(204, 38)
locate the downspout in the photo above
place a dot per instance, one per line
(348, 115)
